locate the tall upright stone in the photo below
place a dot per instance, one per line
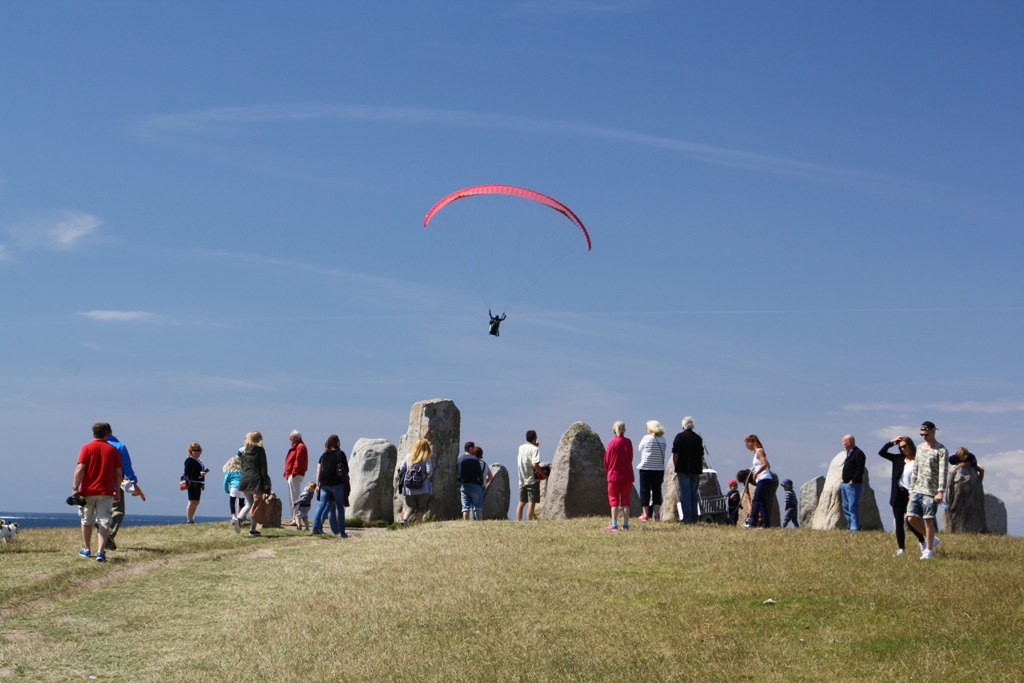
(809, 495)
(372, 471)
(439, 421)
(829, 511)
(995, 515)
(577, 486)
(498, 494)
(965, 497)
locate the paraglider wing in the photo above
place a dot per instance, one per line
(514, 192)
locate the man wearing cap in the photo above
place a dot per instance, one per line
(927, 486)
(853, 482)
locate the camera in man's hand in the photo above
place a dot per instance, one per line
(76, 499)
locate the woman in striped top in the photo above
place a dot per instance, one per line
(652, 470)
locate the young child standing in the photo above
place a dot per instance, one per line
(232, 476)
(734, 501)
(791, 505)
(302, 506)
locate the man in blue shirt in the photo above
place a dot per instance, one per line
(129, 474)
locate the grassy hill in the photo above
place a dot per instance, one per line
(511, 602)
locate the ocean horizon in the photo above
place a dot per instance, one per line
(38, 520)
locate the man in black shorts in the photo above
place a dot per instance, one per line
(529, 482)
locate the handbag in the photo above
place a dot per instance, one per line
(259, 510)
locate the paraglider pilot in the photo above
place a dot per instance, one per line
(495, 322)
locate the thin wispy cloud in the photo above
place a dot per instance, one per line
(370, 282)
(63, 232)
(226, 382)
(121, 316)
(232, 120)
(987, 407)
(584, 7)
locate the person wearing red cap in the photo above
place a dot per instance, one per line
(734, 501)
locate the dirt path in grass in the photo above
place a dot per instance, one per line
(138, 570)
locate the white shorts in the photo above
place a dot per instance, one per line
(235, 493)
(98, 508)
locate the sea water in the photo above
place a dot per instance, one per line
(28, 520)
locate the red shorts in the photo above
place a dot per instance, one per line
(618, 493)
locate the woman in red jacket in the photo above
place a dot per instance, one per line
(618, 464)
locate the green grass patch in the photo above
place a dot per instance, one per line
(541, 601)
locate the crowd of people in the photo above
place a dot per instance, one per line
(104, 477)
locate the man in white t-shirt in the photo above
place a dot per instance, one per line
(529, 482)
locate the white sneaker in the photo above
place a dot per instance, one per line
(926, 555)
(923, 546)
(237, 524)
(901, 552)
(935, 543)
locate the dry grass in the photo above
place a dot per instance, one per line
(539, 601)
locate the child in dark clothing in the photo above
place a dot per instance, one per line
(303, 504)
(734, 501)
(791, 504)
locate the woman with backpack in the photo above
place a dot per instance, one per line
(332, 485)
(414, 479)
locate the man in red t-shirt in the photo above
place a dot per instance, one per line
(295, 465)
(96, 480)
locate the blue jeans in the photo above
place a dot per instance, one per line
(332, 506)
(851, 504)
(760, 512)
(687, 485)
(472, 499)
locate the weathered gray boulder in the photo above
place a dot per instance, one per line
(577, 486)
(809, 494)
(965, 497)
(635, 507)
(439, 421)
(829, 512)
(498, 494)
(670, 495)
(372, 471)
(746, 497)
(995, 515)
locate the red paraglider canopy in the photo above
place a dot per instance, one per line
(515, 192)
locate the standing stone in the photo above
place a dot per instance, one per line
(372, 471)
(809, 495)
(995, 515)
(440, 421)
(577, 486)
(635, 507)
(829, 511)
(966, 499)
(670, 494)
(498, 494)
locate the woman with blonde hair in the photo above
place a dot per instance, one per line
(232, 477)
(414, 480)
(652, 470)
(761, 474)
(255, 477)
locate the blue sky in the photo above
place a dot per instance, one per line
(806, 222)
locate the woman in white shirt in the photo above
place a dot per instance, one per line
(652, 470)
